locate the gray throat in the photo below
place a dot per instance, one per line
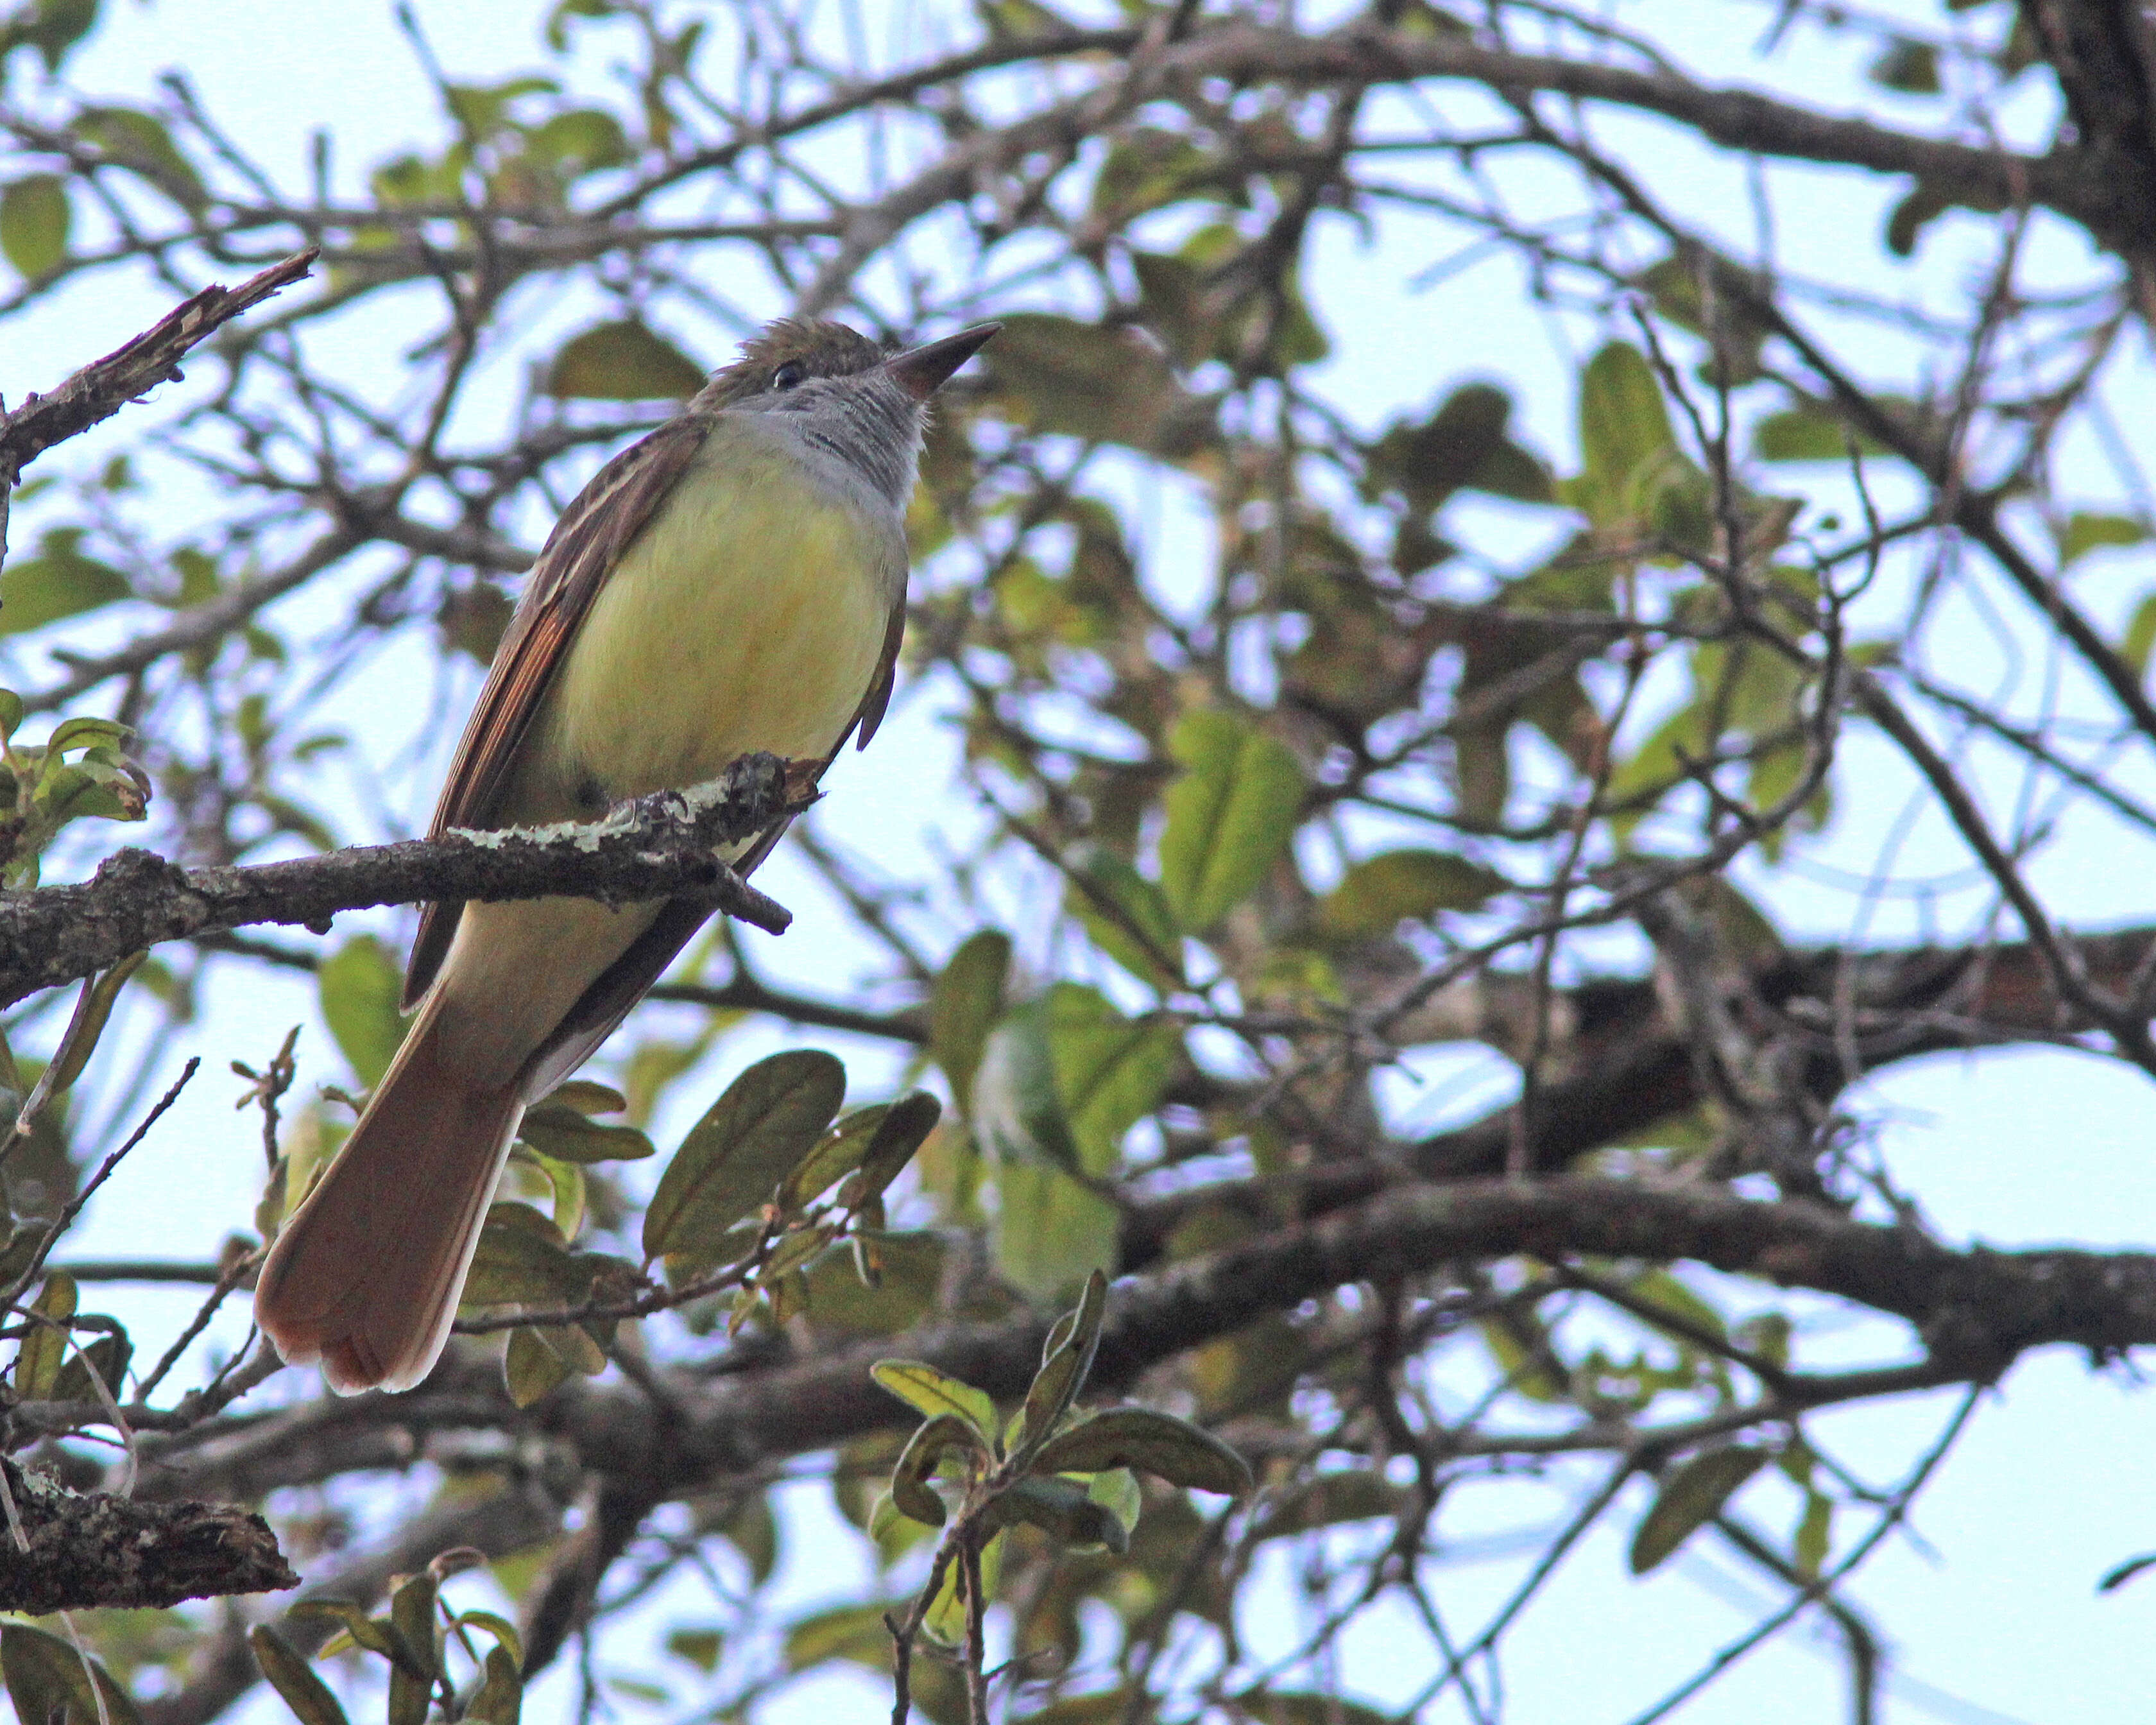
(861, 436)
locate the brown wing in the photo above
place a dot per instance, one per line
(587, 542)
(886, 673)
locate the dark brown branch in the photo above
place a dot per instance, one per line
(100, 1550)
(1365, 55)
(662, 846)
(102, 388)
(745, 994)
(1736, 119)
(1974, 1311)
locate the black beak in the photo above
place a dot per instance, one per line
(921, 371)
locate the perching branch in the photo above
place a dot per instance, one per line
(660, 846)
(101, 1550)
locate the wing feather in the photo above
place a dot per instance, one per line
(595, 529)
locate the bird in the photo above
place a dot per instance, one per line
(733, 582)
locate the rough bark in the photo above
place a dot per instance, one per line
(102, 1550)
(661, 846)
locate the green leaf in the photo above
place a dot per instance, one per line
(1125, 915)
(910, 1277)
(947, 1433)
(361, 987)
(1659, 1288)
(563, 1133)
(2140, 635)
(529, 1368)
(1527, 1370)
(1109, 1069)
(1065, 1361)
(963, 1006)
(501, 1628)
(835, 1156)
(1018, 1109)
(700, 1647)
(1229, 815)
(1065, 1511)
(1461, 446)
(585, 1096)
(34, 224)
(570, 1189)
(58, 581)
(622, 362)
(1767, 1334)
(309, 1697)
(1814, 1535)
(1117, 1491)
(904, 1129)
(48, 1682)
(1082, 380)
(855, 1632)
(141, 142)
(734, 1158)
(108, 1356)
(1380, 892)
(1908, 66)
(89, 1021)
(1091, 1706)
(928, 1391)
(1808, 433)
(2084, 533)
(500, 1698)
(521, 1260)
(1691, 1497)
(44, 1348)
(1051, 1232)
(752, 1530)
(946, 1618)
(580, 139)
(51, 27)
(1623, 425)
(81, 733)
(412, 1622)
(374, 1633)
(1158, 1444)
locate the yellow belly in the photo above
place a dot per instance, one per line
(749, 615)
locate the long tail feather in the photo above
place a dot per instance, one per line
(365, 1275)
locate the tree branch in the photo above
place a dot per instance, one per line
(223, 1669)
(104, 386)
(1974, 1310)
(660, 846)
(103, 1550)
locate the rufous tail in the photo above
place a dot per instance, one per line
(364, 1277)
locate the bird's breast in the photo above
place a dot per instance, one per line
(749, 614)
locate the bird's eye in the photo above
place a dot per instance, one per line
(790, 374)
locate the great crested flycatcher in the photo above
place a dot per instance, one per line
(735, 582)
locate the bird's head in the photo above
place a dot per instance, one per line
(865, 403)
